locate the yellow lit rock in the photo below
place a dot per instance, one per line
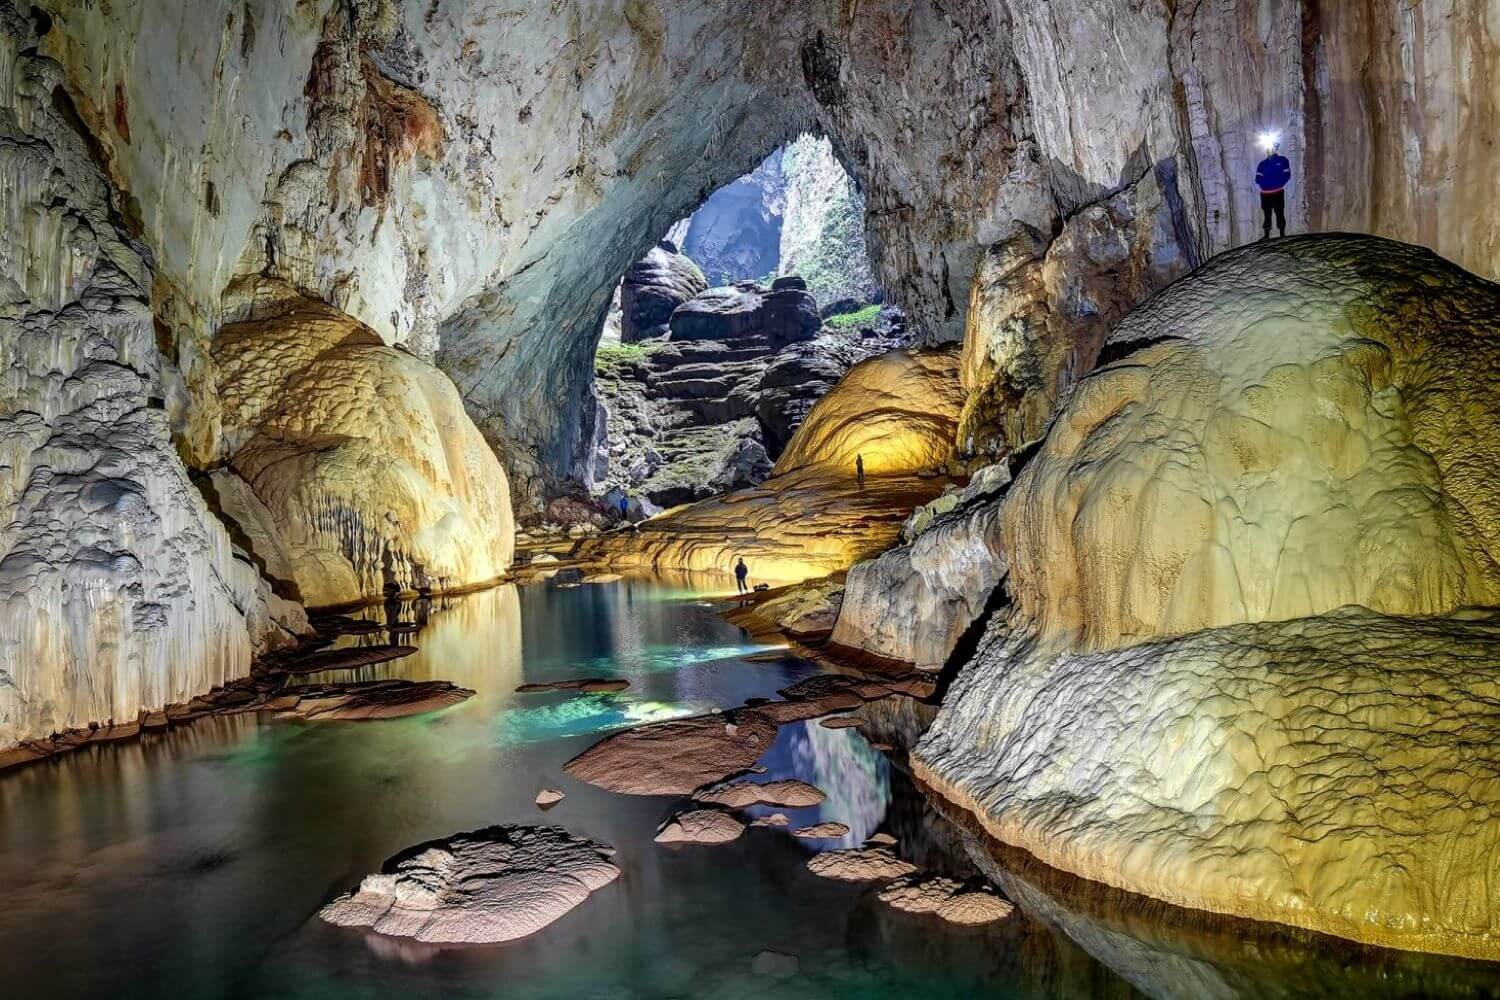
(361, 471)
(1183, 703)
(898, 410)
(788, 529)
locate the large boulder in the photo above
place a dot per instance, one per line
(783, 315)
(653, 288)
(898, 410)
(1238, 675)
(362, 473)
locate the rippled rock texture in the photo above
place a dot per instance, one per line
(119, 591)
(1182, 704)
(360, 473)
(483, 887)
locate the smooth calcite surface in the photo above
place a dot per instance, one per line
(1240, 674)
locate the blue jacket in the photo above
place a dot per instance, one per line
(1273, 173)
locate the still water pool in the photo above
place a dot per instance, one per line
(192, 864)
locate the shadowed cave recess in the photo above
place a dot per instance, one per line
(1175, 552)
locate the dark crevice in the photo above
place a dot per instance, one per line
(968, 642)
(1120, 350)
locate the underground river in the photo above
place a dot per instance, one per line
(193, 863)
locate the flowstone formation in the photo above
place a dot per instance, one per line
(119, 591)
(483, 887)
(897, 412)
(1242, 673)
(353, 468)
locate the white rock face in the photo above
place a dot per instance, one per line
(436, 171)
(484, 887)
(1181, 703)
(364, 473)
(914, 601)
(119, 591)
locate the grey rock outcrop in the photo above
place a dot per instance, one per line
(784, 314)
(653, 288)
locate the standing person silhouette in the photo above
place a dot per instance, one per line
(740, 572)
(1271, 176)
(859, 469)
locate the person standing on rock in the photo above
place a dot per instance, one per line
(1271, 177)
(741, 571)
(624, 507)
(859, 470)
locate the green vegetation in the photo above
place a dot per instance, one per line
(609, 359)
(849, 320)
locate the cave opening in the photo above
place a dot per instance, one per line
(721, 338)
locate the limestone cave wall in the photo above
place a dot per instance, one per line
(468, 181)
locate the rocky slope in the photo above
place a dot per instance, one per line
(708, 410)
(1240, 564)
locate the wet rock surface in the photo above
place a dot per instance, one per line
(483, 887)
(677, 757)
(787, 793)
(700, 826)
(860, 864)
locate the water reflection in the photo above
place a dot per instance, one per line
(194, 861)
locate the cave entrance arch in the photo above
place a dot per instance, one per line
(720, 337)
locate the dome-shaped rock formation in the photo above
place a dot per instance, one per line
(364, 473)
(1183, 705)
(898, 410)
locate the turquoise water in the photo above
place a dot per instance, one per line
(192, 864)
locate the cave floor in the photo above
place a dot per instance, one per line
(194, 861)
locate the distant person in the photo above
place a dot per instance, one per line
(859, 469)
(1271, 177)
(741, 571)
(624, 507)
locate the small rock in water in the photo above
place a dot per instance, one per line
(945, 898)
(589, 685)
(773, 819)
(829, 830)
(481, 887)
(841, 722)
(881, 839)
(700, 826)
(971, 908)
(672, 758)
(549, 797)
(775, 964)
(789, 793)
(860, 864)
